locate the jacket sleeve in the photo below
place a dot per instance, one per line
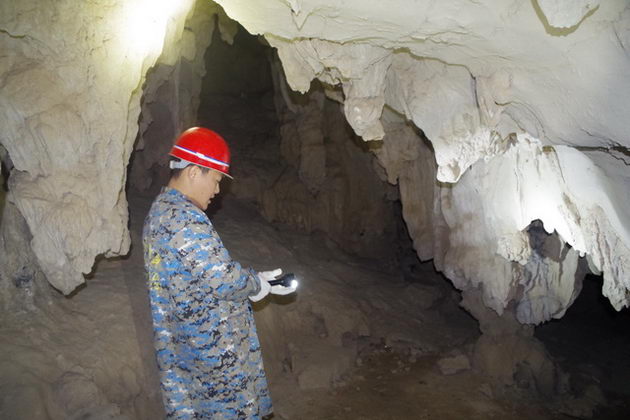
(202, 253)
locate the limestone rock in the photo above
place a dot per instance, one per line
(71, 79)
(566, 13)
(409, 162)
(507, 351)
(171, 96)
(22, 285)
(515, 119)
(329, 183)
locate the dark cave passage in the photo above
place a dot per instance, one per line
(237, 101)
(592, 343)
(295, 155)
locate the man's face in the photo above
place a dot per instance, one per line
(205, 187)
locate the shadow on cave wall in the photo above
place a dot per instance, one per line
(295, 155)
(237, 101)
(3, 190)
(592, 342)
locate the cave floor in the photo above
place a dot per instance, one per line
(389, 386)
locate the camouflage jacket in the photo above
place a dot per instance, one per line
(207, 349)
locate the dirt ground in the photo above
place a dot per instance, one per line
(388, 386)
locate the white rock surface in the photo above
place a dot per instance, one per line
(566, 13)
(171, 95)
(512, 96)
(71, 76)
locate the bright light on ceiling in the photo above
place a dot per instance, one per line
(145, 26)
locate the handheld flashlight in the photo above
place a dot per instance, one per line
(286, 280)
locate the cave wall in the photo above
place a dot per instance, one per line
(294, 155)
(3, 191)
(71, 76)
(524, 105)
(329, 182)
(171, 94)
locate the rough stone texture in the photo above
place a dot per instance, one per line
(410, 163)
(453, 364)
(487, 211)
(71, 76)
(171, 94)
(566, 13)
(329, 183)
(507, 351)
(3, 191)
(79, 358)
(22, 284)
(523, 117)
(492, 85)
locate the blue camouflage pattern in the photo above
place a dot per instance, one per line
(206, 344)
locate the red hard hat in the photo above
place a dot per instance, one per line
(203, 147)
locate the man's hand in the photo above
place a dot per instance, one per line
(265, 287)
(279, 289)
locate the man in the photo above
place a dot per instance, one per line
(205, 338)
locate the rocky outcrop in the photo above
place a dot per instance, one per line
(171, 94)
(507, 351)
(524, 122)
(22, 283)
(328, 183)
(71, 77)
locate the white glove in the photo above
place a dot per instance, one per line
(265, 287)
(277, 289)
(270, 275)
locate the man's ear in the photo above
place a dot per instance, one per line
(192, 171)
